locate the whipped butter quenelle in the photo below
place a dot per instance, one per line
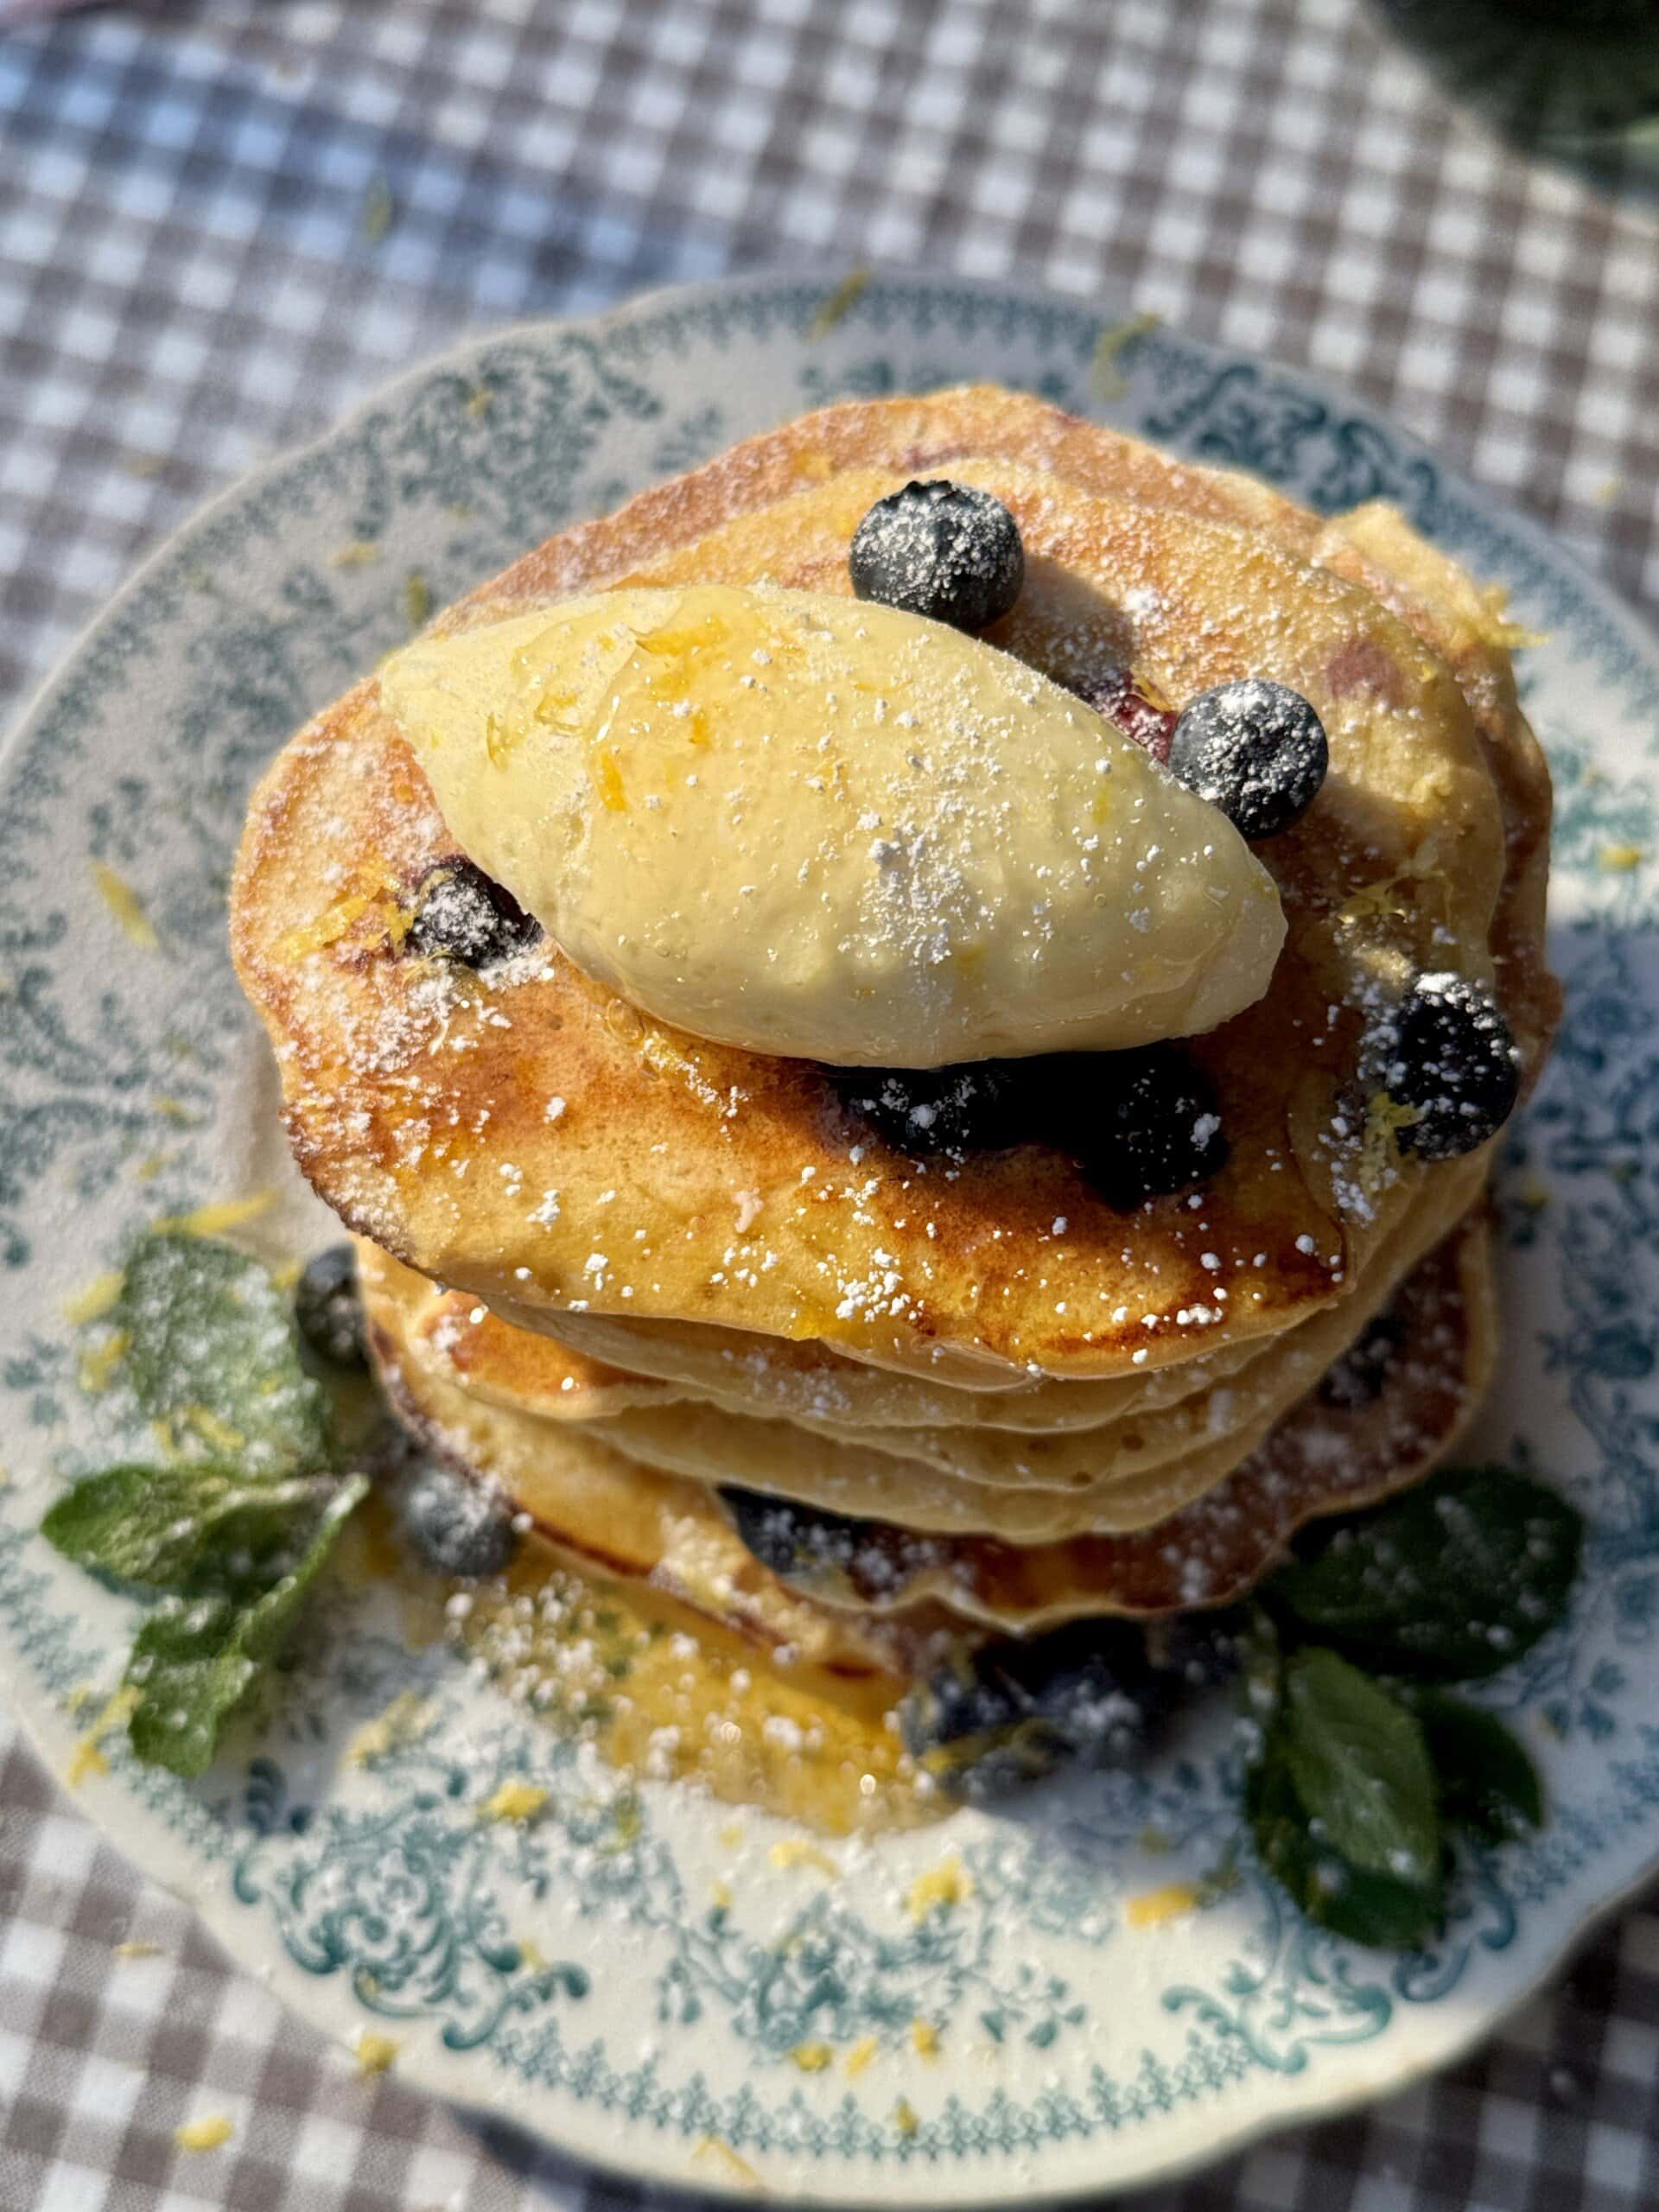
(840, 831)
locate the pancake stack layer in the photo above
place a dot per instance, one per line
(648, 1283)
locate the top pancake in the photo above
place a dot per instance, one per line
(689, 1182)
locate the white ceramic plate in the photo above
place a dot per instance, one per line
(1075, 2050)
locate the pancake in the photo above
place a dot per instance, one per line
(388, 1064)
(887, 1610)
(1126, 1475)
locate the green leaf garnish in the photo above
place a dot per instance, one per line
(1449, 1582)
(1362, 1768)
(195, 1660)
(1488, 1783)
(212, 1353)
(1366, 1907)
(165, 1527)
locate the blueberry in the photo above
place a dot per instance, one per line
(327, 1310)
(1356, 1379)
(940, 550)
(464, 915)
(970, 1107)
(1140, 1124)
(1449, 1054)
(1012, 1712)
(456, 1524)
(817, 1550)
(1255, 749)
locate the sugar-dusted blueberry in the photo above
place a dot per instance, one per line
(1450, 1056)
(328, 1310)
(1140, 1124)
(456, 1524)
(940, 550)
(1255, 750)
(972, 1106)
(462, 914)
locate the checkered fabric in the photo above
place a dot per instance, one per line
(224, 222)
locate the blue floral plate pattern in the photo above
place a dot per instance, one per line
(592, 1973)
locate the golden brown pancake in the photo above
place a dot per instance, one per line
(699, 1184)
(1125, 1475)
(597, 1505)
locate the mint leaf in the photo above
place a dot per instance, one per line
(1448, 1582)
(1366, 1908)
(195, 1660)
(163, 1526)
(1362, 1768)
(1488, 1783)
(210, 1351)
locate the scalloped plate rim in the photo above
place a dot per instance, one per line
(421, 2066)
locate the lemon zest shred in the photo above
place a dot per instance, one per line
(1384, 1119)
(924, 2038)
(721, 1892)
(861, 2058)
(399, 1724)
(904, 2117)
(88, 1757)
(514, 1801)
(212, 2131)
(214, 1219)
(812, 2058)
(96, 1301)
(417, 600)
(1620, 860)
(608, 780)
(127, 907)
(792, 1850)
(212, 1430)
(375, 2053)
(712, 2151)
(355, 553)
(840, 304)
(131, 1950)
(97, 1365)
(948, 1883)
(1105, 376)
(1153, 1907)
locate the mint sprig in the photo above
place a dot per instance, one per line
(234, 1539)
(213, 1354)
(196, 1659)
(1356, 1780)
(168, 1528)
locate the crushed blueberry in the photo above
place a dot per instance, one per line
(1092, 1694)
(940, 550)
(462, 914)
(1255, 750)
(970, 1107)
(826, 1552)
(1356, 1379)
(1140, 1124)
(328, 1310)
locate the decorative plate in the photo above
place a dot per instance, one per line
(582, 1973)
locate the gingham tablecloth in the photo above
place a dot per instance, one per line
(222, 225)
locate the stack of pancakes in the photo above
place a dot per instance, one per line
(646, 1283)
